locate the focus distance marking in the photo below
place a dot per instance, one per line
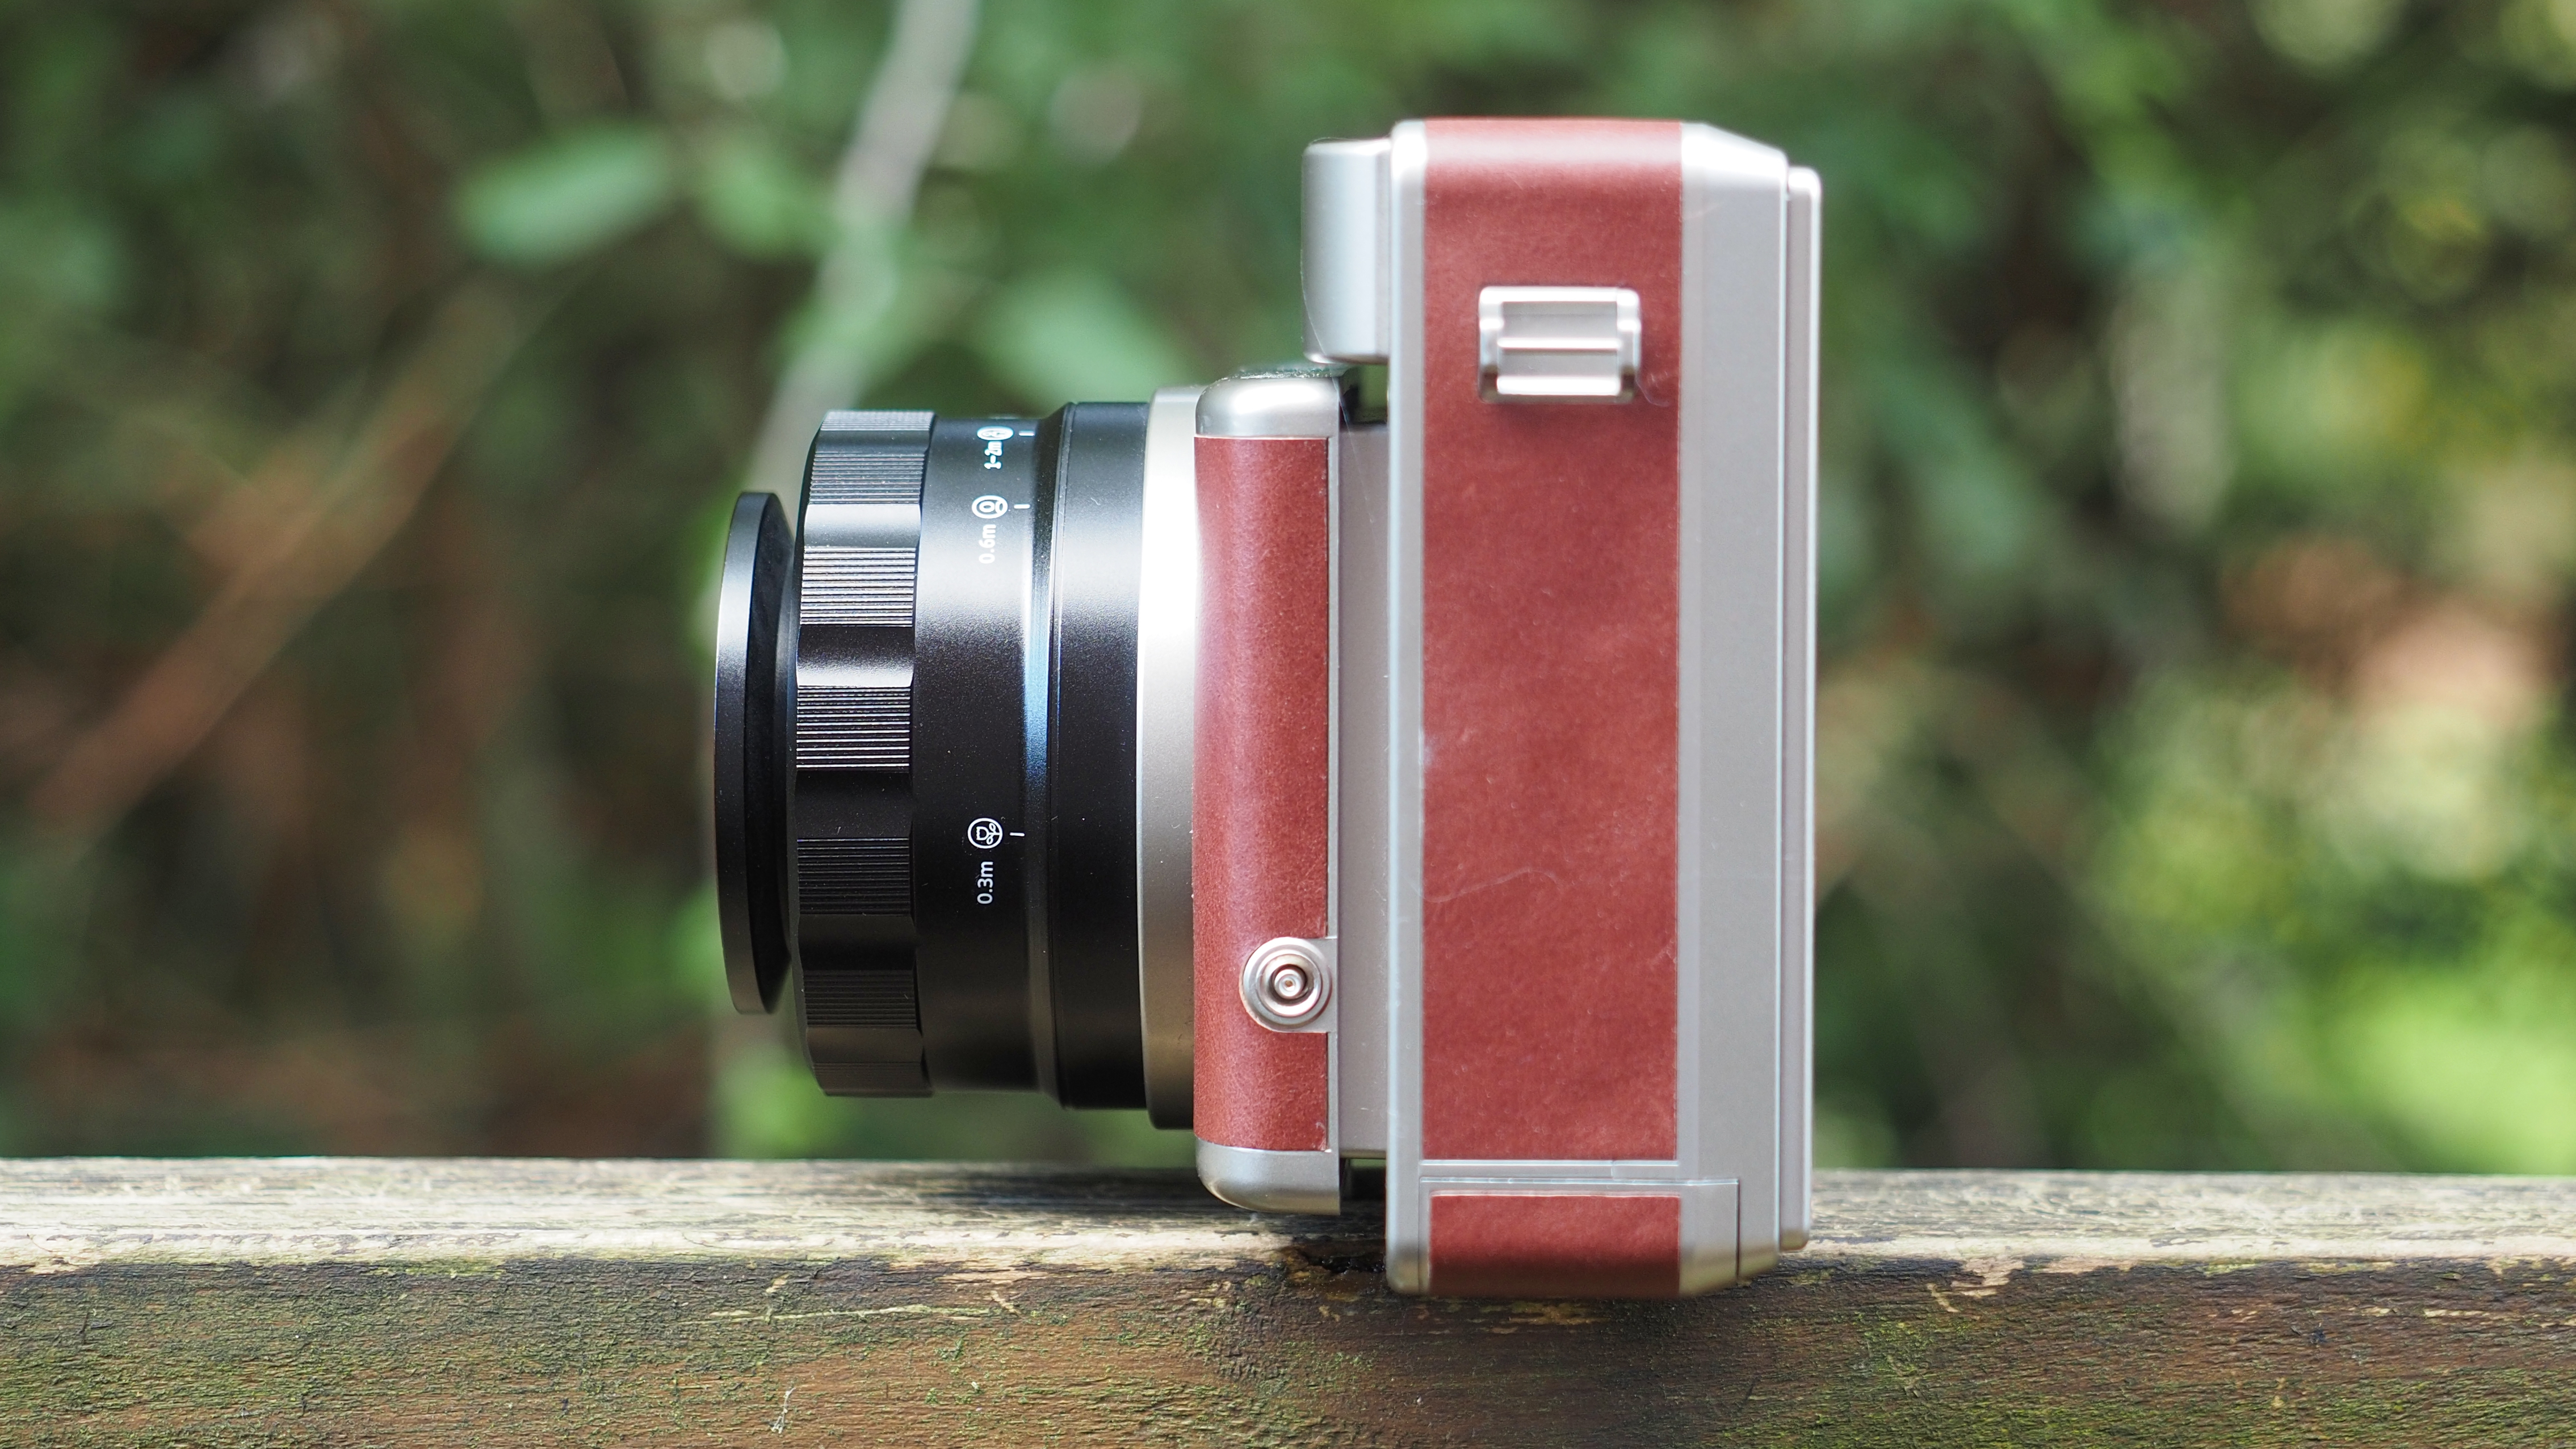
(990, 508)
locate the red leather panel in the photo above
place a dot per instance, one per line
(1261, 807)
(1556, 1245)
(1550, 643)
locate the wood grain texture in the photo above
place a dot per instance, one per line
(485, 1302)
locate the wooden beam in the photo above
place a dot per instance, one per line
(492, 1302)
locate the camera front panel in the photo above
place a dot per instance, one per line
(1270, 990)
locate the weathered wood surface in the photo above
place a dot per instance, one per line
(522, 1302)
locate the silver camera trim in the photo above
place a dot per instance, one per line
(1167, 634)
(1272, 1182)
(1346, 219)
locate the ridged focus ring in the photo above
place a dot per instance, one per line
(860, 527)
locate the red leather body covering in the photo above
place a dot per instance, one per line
(1556, 1245)
(1261, 799)
(1550, 690)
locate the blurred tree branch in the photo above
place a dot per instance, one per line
(898, 126)
(349, 511)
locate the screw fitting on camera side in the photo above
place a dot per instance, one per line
(1288, 981)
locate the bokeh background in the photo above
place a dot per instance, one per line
(2199, 521)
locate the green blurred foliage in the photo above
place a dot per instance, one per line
(2199, 515)
(570, 194)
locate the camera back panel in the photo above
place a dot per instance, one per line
(1572, 668)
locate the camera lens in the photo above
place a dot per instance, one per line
(927, 757)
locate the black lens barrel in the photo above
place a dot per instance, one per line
(755, 679)
(1098, 525)
(958, 644)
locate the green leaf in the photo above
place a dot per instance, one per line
(55, 259)
(2469, 1059)
(758, 201)
(566, 196)
(1074, 336)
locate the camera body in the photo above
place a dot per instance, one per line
(1469, 750)
(1503, 713)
